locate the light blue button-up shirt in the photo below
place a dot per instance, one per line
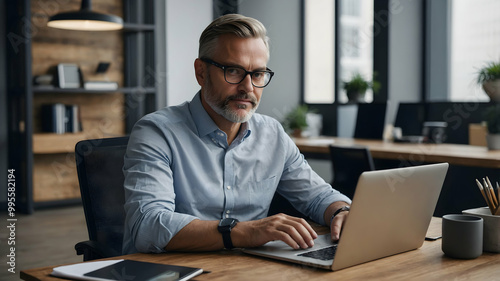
(179, 167)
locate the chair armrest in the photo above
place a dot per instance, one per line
(92, 250)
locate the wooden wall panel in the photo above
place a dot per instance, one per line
(102, 115)
(55, 177)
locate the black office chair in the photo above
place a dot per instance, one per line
(280, 204)
(370, 121)
(99, 165)
(348, 163)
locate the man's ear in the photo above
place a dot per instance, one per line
(199, 70)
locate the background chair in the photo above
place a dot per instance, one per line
(348, 162)
(99, 165)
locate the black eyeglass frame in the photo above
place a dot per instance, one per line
(224, 67)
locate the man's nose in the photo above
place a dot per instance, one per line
(246, 84)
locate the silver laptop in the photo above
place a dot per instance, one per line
(390, 214)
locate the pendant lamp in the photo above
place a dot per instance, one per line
(85, 19)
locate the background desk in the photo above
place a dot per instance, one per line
(467, 163)
(426, 263)
(455, 154)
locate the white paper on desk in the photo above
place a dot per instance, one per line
(77, 271)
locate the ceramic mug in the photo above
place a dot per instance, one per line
(462, 236)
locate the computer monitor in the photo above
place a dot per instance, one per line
(370, 121)
(410, 117)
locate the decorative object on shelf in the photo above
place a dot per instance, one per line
(489, 78)
(492, 118)
(295, 121)
(85, 19)
(105, 85)
(68, 76)
(43, 80)
(357, 86)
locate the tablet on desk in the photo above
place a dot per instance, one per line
(126, 270)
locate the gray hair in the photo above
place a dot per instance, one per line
(239, 25)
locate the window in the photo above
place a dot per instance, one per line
(319, 50)
(474, 41)
(356, 43)
(355, 47)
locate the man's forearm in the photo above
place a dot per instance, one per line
(198, 235)
(203, 235)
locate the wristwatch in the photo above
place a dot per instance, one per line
(343, 209)
(225, 226)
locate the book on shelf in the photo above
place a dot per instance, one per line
(100, 85)
(60, 118)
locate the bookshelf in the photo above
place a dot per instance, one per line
(45, 161)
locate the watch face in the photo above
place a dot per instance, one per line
(228, 222)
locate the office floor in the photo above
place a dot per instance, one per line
(47, 237)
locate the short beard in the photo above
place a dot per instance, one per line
(222, 108)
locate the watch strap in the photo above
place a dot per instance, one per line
(226, 238)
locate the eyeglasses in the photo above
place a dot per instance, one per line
(235, 74)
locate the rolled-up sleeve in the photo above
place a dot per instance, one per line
(151, 220)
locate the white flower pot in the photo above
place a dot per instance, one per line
(492, 89)
(491, 232)
(493, 141)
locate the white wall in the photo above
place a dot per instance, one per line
(282, 20)
(405, 54)
(185, 21)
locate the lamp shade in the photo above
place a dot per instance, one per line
(85, 19)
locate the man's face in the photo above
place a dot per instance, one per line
(234, 102)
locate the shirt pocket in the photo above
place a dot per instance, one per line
(259, 194)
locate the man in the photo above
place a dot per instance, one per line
(201, 176)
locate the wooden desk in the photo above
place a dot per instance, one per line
(455, 154)
(426, 263)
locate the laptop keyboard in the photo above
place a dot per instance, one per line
(322, 254)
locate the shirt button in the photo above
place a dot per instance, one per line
(227, 216)
(227, 212)
(228, 187)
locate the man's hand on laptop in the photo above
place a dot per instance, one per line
(295, 232)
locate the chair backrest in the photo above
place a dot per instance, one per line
(99, 165)
(370, 121)
(348, 162)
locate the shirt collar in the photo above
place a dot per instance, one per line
(204, 123)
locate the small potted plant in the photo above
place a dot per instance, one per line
(357, 86)
(295, 121)
(492, 118)
(489, 78)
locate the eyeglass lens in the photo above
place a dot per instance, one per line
(236, 75)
